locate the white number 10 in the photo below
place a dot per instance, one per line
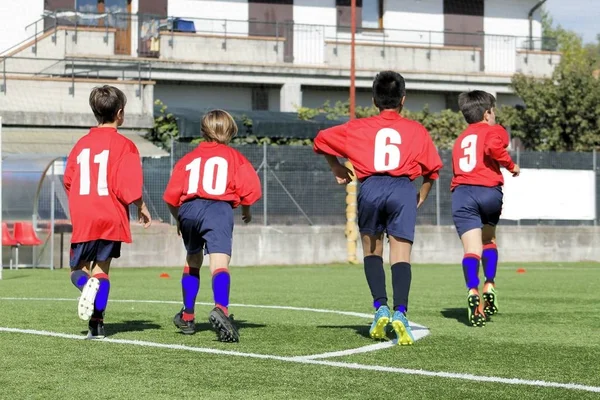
(83, 160)
(211, 185)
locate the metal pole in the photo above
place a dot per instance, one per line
(438, 213)
(265, 184)
(519, 164)
(171, 219)
(1, 259)
(594, 168)
(352, 59)
(52, 215)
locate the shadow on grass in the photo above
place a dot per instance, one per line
(239, 324)
(128, 326)
(459, 314)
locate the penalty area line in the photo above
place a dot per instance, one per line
(307, 361)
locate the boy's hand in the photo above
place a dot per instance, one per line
(178, 229)
(343, 175)
(246, 214)
(144, 216)
(420, 200)
(516, 171)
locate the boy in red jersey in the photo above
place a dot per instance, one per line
(476, 188)
(205, 187)
(388, 152)
(103, 176)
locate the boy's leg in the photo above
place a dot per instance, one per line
(81, 255)
(375, 274)
(489, 259)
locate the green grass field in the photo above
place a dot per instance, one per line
(548, 330)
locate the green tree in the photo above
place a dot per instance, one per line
(562, 113)
(165, 127)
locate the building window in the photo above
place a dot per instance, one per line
(260, 99)
(372, 14)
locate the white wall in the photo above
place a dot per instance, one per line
(14, 17)
(315, 21)
(231, 10)
(421, 15)
(416, 101)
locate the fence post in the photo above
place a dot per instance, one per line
(3, 86)
(224, 44)
(438, 211)
(519, 164)
(594, 168)
(265, 184)
(138, 92)
(34, 49)
(52, 216)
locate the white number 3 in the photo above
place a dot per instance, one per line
(83, 160)
(469, 146)
(387, 152)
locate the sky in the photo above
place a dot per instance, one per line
(581, 16)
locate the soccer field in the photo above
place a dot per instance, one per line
(545, 337)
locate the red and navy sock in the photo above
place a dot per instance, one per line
(376, 279)
(79, 278)
(190, 286)
(470, 264)
(101, 296)
(401, 280)
(220, 285)
(489, 259)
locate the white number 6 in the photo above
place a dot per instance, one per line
(387, 152)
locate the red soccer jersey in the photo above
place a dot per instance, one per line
(385, 144)
(102, 177)
(213, 171)
(478, 154)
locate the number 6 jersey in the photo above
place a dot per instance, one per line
(477, 155)
(386, 144)
(103, 176)
(213, 171)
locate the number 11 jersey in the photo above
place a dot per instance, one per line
(478, 154)
(213, 171)
(102, 177)
(386, 144)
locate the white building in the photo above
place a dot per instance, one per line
(259, 54)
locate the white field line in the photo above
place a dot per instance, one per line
(419, 331)
(377, 368)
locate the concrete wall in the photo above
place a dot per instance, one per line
(404, 58)
(295, 245)
(220, 49)
(46, 101)
(538, 63)
(401, 17)
(14, 17)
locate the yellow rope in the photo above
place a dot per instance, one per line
(351, 221)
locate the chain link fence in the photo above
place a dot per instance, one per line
(299, 189)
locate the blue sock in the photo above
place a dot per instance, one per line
(101, 296)
(190, 285)
(79, 278)
(489, 259)
(220, 285)
(470, 264)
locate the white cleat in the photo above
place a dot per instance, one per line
(85, 308)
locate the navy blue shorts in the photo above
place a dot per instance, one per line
(95, 250)
(206, 225)
(387, 204)
(475, 206)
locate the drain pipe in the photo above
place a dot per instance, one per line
(530, 16)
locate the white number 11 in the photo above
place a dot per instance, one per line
(83, 160)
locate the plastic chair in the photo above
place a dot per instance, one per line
(9, 241)
(25, 235)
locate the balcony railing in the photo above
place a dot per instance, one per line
(200, 40)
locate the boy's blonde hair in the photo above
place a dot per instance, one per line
(218, 126)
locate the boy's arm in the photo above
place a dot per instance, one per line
(129, 178)
(496, 143)
(332, 143)
(174, 189)
(247, 184)
(431, 163)
(68, 176)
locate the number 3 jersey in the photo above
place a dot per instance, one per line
(103, 176)
(213, 171)
(477, 155)
(386, 144)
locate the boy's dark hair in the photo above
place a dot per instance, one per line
(388, 90)
(474, 104)
(106, 101)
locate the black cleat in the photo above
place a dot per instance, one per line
(96, 329)
(224, 326)
(475, 309)
(186, 327)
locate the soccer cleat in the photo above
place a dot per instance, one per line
(380, 323)
(402, 329)
(186, 327)
(490, 299)
(475, 309)
(96, 329)
(223, 325)
(85, 308)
